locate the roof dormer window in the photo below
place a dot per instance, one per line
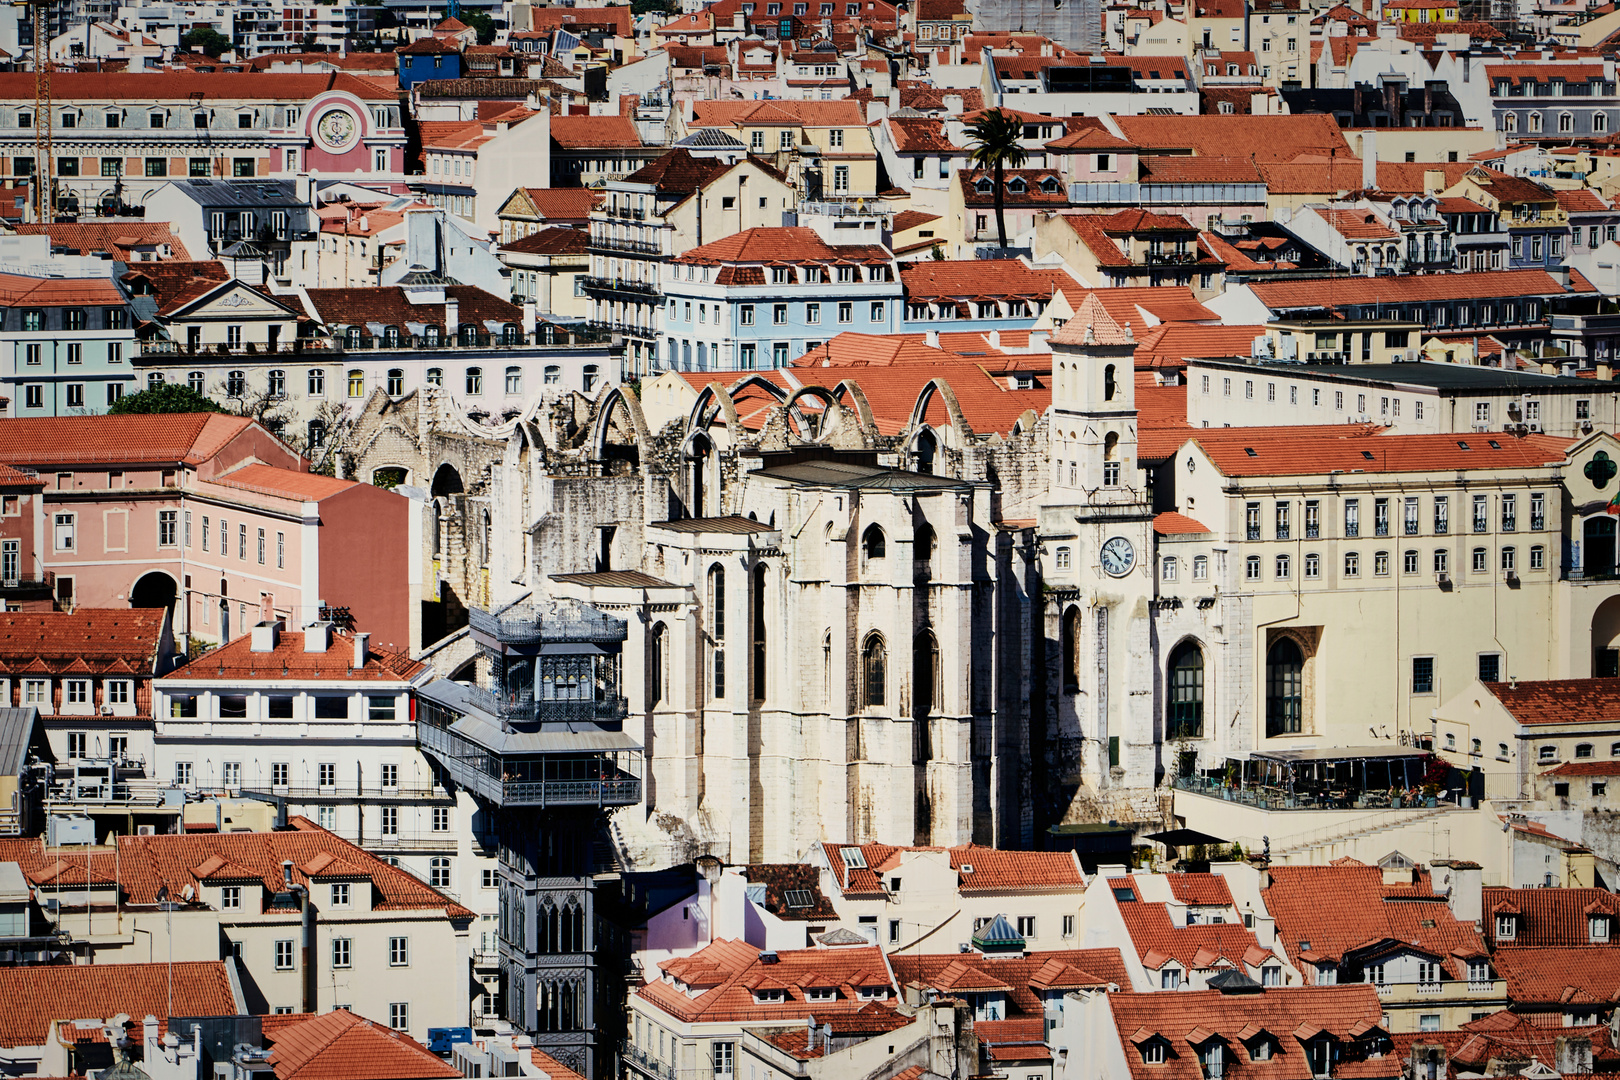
(1506, 927)
(1017, 185)
(984, 186)
(820, 993)
(1153, 1051)
(770, 995)
(1049, 185)
(1597, 927)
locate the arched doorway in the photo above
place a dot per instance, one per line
(1606, 639)
(153, 590)
(1597, 547)
(1184, 719)
(447, 481)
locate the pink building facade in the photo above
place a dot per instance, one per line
(216, 519)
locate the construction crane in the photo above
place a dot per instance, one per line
(43, 196)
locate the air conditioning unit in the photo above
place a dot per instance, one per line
(1513, 577)
(146, 830)
(1482, 427)
(106, 710)
(1412, 355)
(1442, 578)
(1586, 427)
(1535, 429)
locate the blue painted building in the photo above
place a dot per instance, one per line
(68, 343)
(763, 297)
(427, 59)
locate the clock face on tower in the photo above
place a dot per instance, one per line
(1118, 556)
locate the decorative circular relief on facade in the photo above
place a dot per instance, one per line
(337, 129)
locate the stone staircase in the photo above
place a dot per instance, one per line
(1318, 846)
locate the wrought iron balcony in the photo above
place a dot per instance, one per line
(1171, 258)
(619, 285)
(636, 247)
(566, 622)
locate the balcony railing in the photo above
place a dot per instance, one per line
(1430, 987)
(645, 1063)
(609, 710)
(1476, 987)
(1097, 193)
(627, 329)
(620, 285)
(28, 584)
(298, 346)
(637, 247)
(352, 792)
(1171, 258)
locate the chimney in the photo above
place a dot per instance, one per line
(1548, 368)
(931, 339)
(1369, 160)
(1434, 180)
(995, 339)
(452, 315)
(953, 104)
(265, 636)
(360, 643)
(1605, 373)
(1466, 897)
(317, 637)
(531, 317)
(149, 1037)
(286, 872)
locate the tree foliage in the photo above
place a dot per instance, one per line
(994, 144)
(210, 40)
(168, 398)
(481, 22)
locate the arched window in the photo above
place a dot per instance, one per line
(874, 665)
(154, 379)
(922, 553)
(1069, 645)
(656, 649)
(317, 434)
(873, 543)
(235, 383)
(1600, 123)
(927, 684)
(357, 383)
(1510, 122)
(475, 381)
(510, 334)
(1566, 123)
(276, 383)
(717, 626)
(352, 337)
(927, 446)
(431, 333)
(391, 337)
(1285, 682)
(468, 332)
(396, 382)
(1108, 383)
(1534, 124)
(1186, 715)
(758, 631)
(435, 376)
(197, 380)
(553, 374)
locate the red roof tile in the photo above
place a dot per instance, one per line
(558, 241)
(1581, 200)
(1561, 977)
(1185, 1020)
(1559, 701)
(1203, 889)
(796, 245)
(187, 438)
(32, 998)
(594, 132)
(1356, 224)
(776, 112)
(284, 483)
(970, 279)
(1306, 450)
(188, 86)
(1586, 768)
(1170, 523)
(1197, 948)
(951, 972)
(564, 204)
(50, 641)
(1549, 918)
(120, 239)
(1260, 138)
(236, 661)
(1345, 908)
(389, 306)
(726, 973)
(1486, 284)
(1506, 1036)
(149, 863)
(340, 1045)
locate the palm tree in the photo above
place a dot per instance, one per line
(995, 146)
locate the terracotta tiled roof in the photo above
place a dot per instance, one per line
(1202, 169)
(1586, 768)
(1184, 1021)
(17, 290)
(1549, 918)
(952, 972)
(340, 1045)
(284, 483)
(1508, 1036)
(389, 306)
(995, 870)
(557, 241)
(1406, 178)
(120, 239)
(1033, 194)
(1356, 224)
(1171, 523)
(1559, 701)
(575, 19)
(1297, 451)
(1260, 138)
(726, 973)
(967, 279)
(547, 1064)
(1581, 200)
(32, 998)
(1561, 977)
(1479, 31)
(1331, 911)
(776, 111)
(795, 245)
(1171, 345)
(920, 135)
(237, 662)
(1487, 284)
(1200, 947)
(564, 204)
(148, 863)
(97, 640)
(170, 437)
(1161, 413)
(594, 132)
(1205, 889)
(910, 219)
